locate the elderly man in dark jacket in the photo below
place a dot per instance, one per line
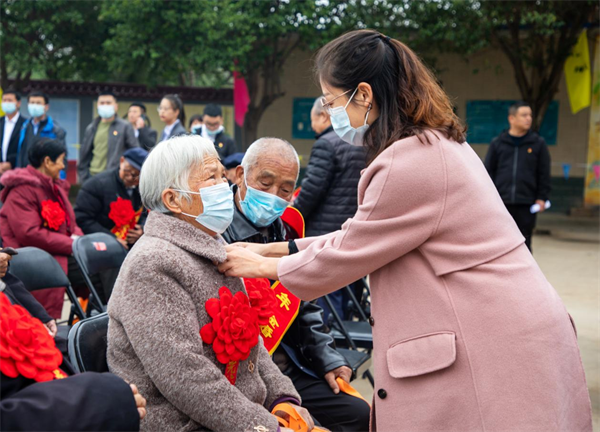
(306, 354)
(329, 190)
(518, 162)
(102, 193)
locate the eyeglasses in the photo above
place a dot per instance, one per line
(131, 174)
(327, 105)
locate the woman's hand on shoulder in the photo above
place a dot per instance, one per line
(257, 248)
(272, 250)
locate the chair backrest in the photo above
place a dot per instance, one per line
(88, 344)
(37, 269)
(98, 252)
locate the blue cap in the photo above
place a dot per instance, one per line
(232, 161)
(136, 157)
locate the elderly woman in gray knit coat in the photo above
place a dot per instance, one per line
(197, 369)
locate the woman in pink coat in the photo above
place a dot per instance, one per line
(468, 333)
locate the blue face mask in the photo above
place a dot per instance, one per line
(196, 129)
(9, 107)
(218, 207)
(262, 208)
(106, 111)
(342, 127)
(36, 110)
(215, 132)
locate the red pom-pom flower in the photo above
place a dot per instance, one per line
(262, 298)
(26, 347)
(233, 331)
(122, 213)
(53, 214)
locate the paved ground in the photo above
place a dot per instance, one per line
(569, 255)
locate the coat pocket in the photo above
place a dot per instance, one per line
(422, 354)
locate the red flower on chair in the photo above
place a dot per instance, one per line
(262, 298)
(53, 214)
(233, 331)
(26, 347)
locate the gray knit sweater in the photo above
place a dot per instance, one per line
(156, 311)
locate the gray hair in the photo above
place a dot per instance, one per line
(169, 165)
(272, 146)
(318, 109)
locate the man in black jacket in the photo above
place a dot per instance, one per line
(306, 354)
(329, 190)
(98, 194)
(518, 162)
(136, 116)
(213, 130)
(10, 130)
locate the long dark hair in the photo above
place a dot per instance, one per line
(177, 104)
(409, 99)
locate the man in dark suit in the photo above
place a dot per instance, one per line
(213, 130)
(136, 115)
(10, 128)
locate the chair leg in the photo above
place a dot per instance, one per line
(368, 375)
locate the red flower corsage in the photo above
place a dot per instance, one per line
(53, 214)
(26, 347)
(233, 331)
(262, 298)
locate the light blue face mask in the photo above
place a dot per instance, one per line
(196, 129)
(106, 111)
(342, 127)
(262, 208)
(36, 110)
(216, 132)
(217, 201)
(9, 107)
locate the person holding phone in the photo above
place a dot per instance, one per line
(136, 115)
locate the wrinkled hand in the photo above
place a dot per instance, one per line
(542, 205)
(52, 329)
(4, 259)
(303, 413)
(140, 402)
(134, 234)
(344, 372)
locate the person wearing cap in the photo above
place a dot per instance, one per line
(106, 197)
(136, 116)
(230, 163)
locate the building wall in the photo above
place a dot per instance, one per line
(485, 76)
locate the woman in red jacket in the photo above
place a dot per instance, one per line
(37, 212)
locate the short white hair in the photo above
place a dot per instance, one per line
(318, 108)
(271, 146)
(169, 165)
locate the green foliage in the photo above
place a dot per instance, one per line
(59, 39)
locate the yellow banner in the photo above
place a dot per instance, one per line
(1, 93)
(578, 75)
(592, 180)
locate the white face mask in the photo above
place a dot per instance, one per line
(342, 127)
(217, 202)
(106, 111)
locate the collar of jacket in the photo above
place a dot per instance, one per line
(326, 131)
(98, 119)
(241, 229)
(185, 236)
(527, 139)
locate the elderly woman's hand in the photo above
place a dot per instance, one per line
(242, 262)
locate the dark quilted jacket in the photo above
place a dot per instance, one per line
(328, 195)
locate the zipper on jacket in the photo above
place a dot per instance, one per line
(514, 179)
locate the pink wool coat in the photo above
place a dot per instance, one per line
(468, 333)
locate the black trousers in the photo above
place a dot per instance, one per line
(524, 219)
(340, 412)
